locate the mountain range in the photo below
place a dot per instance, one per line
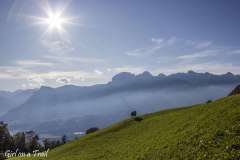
(75, 108)
(9, 100)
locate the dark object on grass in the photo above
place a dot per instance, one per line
(209, 101)
(133, 114)
(235, 91)
(91, 130)
(138, 119)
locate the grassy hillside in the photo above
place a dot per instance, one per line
(206, 131)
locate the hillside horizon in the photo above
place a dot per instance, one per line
(211, 129)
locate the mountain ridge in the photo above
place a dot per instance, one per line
(126, 92)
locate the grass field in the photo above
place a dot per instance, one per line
(205, 131)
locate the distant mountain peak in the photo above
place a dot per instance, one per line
(161, 75)
(45, 87)
(207, 73)
(123, 76)
(229, 74)
(191, 72)
(145, 74)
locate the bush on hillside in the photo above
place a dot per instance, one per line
(91, 130)
(138, 119)
(209, 101)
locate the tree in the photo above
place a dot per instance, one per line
(64, 139)
(57, 143)
(5, 138)
(19, 141)
(91, 130)
(47, 144)
(209, 101)
(34, 143)
(50, 144)
(31, 141)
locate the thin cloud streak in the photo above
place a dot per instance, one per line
(198, 45)
(235, 52)
(69, 58)
(31, 62)
(58, 47)
(98, 72)
(157, 43)
(16, 72)
(199, 55)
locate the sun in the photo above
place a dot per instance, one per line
(55, 20)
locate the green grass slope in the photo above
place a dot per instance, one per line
(205, 131)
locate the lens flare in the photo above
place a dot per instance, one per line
(55, 20)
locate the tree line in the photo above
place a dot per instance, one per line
(25, 141)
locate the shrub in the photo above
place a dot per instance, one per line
(138, 119)
(209, 101)
(91, 130)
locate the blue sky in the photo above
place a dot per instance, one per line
(102, 38)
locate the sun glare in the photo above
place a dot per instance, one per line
(55, 20)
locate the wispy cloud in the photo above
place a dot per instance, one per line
(201, 54)
(198, 44)
(35, 81)
(69, 74)
(5, 76)
(58, 47)
(98, 72)
(157, 43)
(13, 72)
(208, 53)
(235, 52)
(31, 62)
(63, 80)
(65, 59)
(203, 44)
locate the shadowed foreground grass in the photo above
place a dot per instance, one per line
(206, 131)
